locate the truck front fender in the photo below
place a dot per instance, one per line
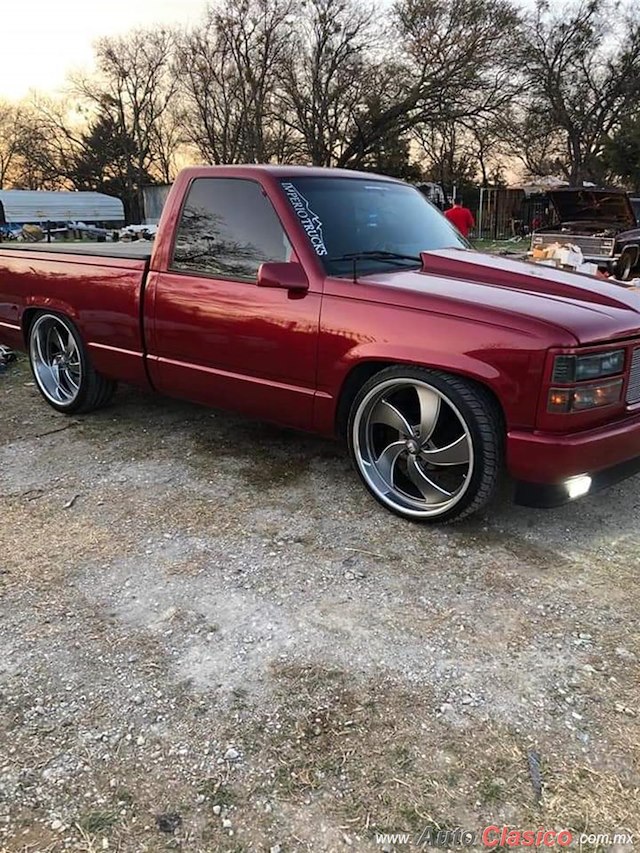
(504, 377)
(452, 362)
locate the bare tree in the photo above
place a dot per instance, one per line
(257, 33)
(446, 155)
(463, 153)
(10, 135)
(454, 62)
(622, 154)
(230, 67)
(212, 94)
(582, 70)
(42, 145)
(329, 82)
(325, 82)
(166, 138)
(136, 86)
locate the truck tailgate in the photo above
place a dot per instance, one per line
(102, 295)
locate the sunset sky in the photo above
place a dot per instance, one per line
(42, 40)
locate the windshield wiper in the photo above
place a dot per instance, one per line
(376, 256)
(385, 257)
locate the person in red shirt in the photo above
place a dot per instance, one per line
(461, 217)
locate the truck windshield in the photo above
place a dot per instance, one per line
(381, 224)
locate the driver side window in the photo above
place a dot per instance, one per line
(228, 227)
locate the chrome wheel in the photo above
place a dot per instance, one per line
(55, 358)
(413, 447)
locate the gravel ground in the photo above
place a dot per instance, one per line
(213, 640)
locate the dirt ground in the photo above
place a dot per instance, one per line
(212, 639)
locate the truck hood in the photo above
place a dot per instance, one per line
(519, 294)
(576, 205)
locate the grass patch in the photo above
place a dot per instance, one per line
(491, 246)
(95, 822)
(491, 790)
(217, 791)
(403, 756)
(123, 795)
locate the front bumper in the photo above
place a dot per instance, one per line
(607, 262)
(541, 463)
(548, 495)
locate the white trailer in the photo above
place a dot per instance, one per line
(37, 207)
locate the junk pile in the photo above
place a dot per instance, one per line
(6, 357)
(32, 234)
(76, 231)
(564, 256)
(138, 232)
(567, 256)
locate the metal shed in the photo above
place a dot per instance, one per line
(22, 207)
(154, 200)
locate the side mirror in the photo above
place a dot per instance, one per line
(287, 275)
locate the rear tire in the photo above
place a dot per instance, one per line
(426, 444)
(61, 366)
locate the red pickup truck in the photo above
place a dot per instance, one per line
(345, 304)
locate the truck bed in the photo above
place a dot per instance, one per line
(98, 286)
(137, 250)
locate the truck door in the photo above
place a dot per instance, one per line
(215, 336)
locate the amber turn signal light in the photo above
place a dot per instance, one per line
(584, 397)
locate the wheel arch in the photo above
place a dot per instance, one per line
(632, 249)
(30, 312)
(365, 370)
(28, 316)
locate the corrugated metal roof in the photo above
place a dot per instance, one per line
(22, 206)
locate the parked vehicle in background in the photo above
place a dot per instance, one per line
(604, 224)
(344, 303)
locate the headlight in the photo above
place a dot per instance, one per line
(584, 397)
(578, 368)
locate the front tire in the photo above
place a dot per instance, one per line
(624, 267)
(426, 444)
(61, 366)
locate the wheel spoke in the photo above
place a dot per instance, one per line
(456, 453)
(429, 413)
(431, 492)
(70, 349)
(57, 385)
(387, 414)
(386, 462)
(70, 380)
(41, 356)
(60, 342)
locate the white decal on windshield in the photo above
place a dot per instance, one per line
(308, 219)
